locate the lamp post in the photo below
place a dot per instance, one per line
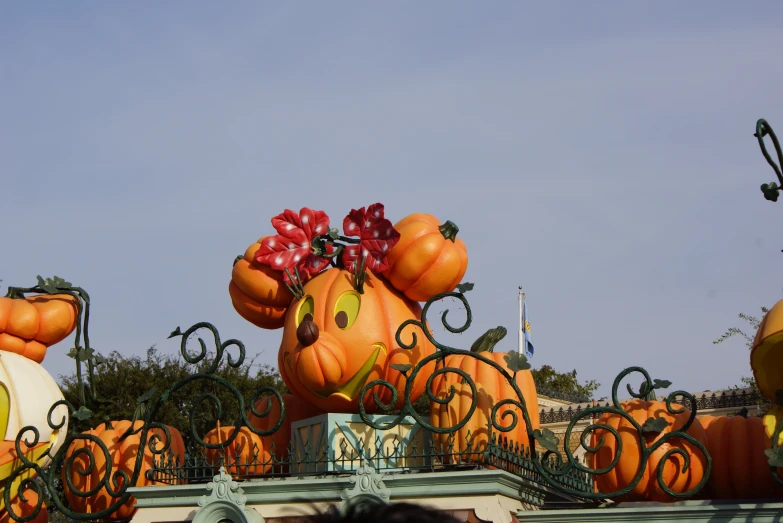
(770, 190)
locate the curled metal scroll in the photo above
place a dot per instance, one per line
(82, 453)
(505, 413)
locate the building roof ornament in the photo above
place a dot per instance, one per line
(225, 501)
(368, 488)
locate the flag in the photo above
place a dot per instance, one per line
(526, 331)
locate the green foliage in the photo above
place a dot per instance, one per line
(464, 287)
(547, 439)
(126, 384)
(770, 191)
(401, 367)
(775, 456)
(736, 331)
(564, 386)
(53, 285)
(516, 362)
(654, 425)
(747, 381)
(421, 406)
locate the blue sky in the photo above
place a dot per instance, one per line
(599, 155)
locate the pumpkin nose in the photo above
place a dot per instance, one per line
(307, 333)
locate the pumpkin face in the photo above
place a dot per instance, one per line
(492, 387)
(9, 462)
(29, 326)
(336, 340)
(258, 292)
(428, 259)
(626, 469)
(123, 457)
(27, 392)
(766, 355)
(739, 465)
(243, 457)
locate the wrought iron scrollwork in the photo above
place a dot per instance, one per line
(551, 466)
(77, 456)
(763, 129)
(539, 459)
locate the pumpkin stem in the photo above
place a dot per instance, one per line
(649, 395)
(487, 341)
(743, 412)
(296, 287)
(449, 230)
(360, 274)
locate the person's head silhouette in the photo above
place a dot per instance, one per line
(383, 513)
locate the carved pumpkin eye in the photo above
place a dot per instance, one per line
(347, 309)
(305, 311)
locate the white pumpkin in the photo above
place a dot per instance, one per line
(27, 392)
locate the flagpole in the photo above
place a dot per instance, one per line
(521, 330)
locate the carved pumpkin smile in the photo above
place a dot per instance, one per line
(351, 388)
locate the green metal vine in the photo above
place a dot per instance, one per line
(559, 469)
(770, 190)
(83, 446)
(545, 439)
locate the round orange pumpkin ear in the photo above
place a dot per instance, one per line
(258, 292)
(428, 259)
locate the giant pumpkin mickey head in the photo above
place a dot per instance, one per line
(341, 298)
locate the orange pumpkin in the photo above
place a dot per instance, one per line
(628, 465)
(492, 387)
(766, 355)
(123, 457)
(258, 292)
(243, 457)
(24, 509)
(428, 259)
(278, 442)
(739, 465)
(28, 326)
(336, 340)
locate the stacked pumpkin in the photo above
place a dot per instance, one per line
(470, 441)
(343, 350)
(739, 465)
(337, 335)
(736, 445)
(627, 468)
(28, 326)
(123, 443)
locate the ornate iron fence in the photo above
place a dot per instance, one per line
(384, 456)
(717, 400)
